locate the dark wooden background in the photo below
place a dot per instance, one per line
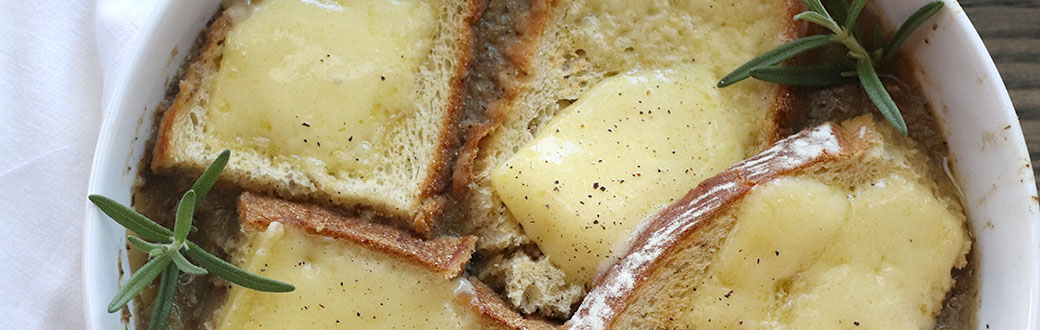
(1011, 31)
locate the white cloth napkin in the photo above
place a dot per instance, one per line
(58, 61)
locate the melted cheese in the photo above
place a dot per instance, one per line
(340, 286)
(629, 146)
(807, 255)
(320, 80)
(720, 35)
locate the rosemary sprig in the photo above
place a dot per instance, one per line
(842, 26)
(167, 250)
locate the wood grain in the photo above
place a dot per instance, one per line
(1011, 31)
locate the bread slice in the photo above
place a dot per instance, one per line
(570, 54)
(354, 274)
(837, 227)
(354, 103)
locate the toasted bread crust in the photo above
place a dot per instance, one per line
(784, 107)
(486, 303)
(518, 54)
(206, 63)
(438, 175)
(687, 218)
(445, 256)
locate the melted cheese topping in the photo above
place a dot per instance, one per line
(807, 255)
(340, 286)
(320, 80)
(720, 35)
(629, 146)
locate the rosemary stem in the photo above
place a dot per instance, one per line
(851, 43)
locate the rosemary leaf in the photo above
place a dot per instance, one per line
(809, 75)
(138, 281)
(834, 70)
(205, 182)
(141, 245)
(819, 19)
(172, 243)
(164, 299)
(132, 220)
(185, 211)
(156, 252)
(838, 9)
(186, 265)
(853, 14)
(816, 6)
(876, 90)
(776, 55)
(911, 24)
(229, 272)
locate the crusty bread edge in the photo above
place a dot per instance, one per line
(519, 54)
(445, 256)
(784, 105)
(209, 55)
(685, 219)
(494, 311)
(439, 173)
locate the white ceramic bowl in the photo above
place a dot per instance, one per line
(987, 149)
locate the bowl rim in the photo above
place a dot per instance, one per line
(95, 222)
(990, 82)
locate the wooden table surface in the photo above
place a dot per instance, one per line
(1011, 31)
